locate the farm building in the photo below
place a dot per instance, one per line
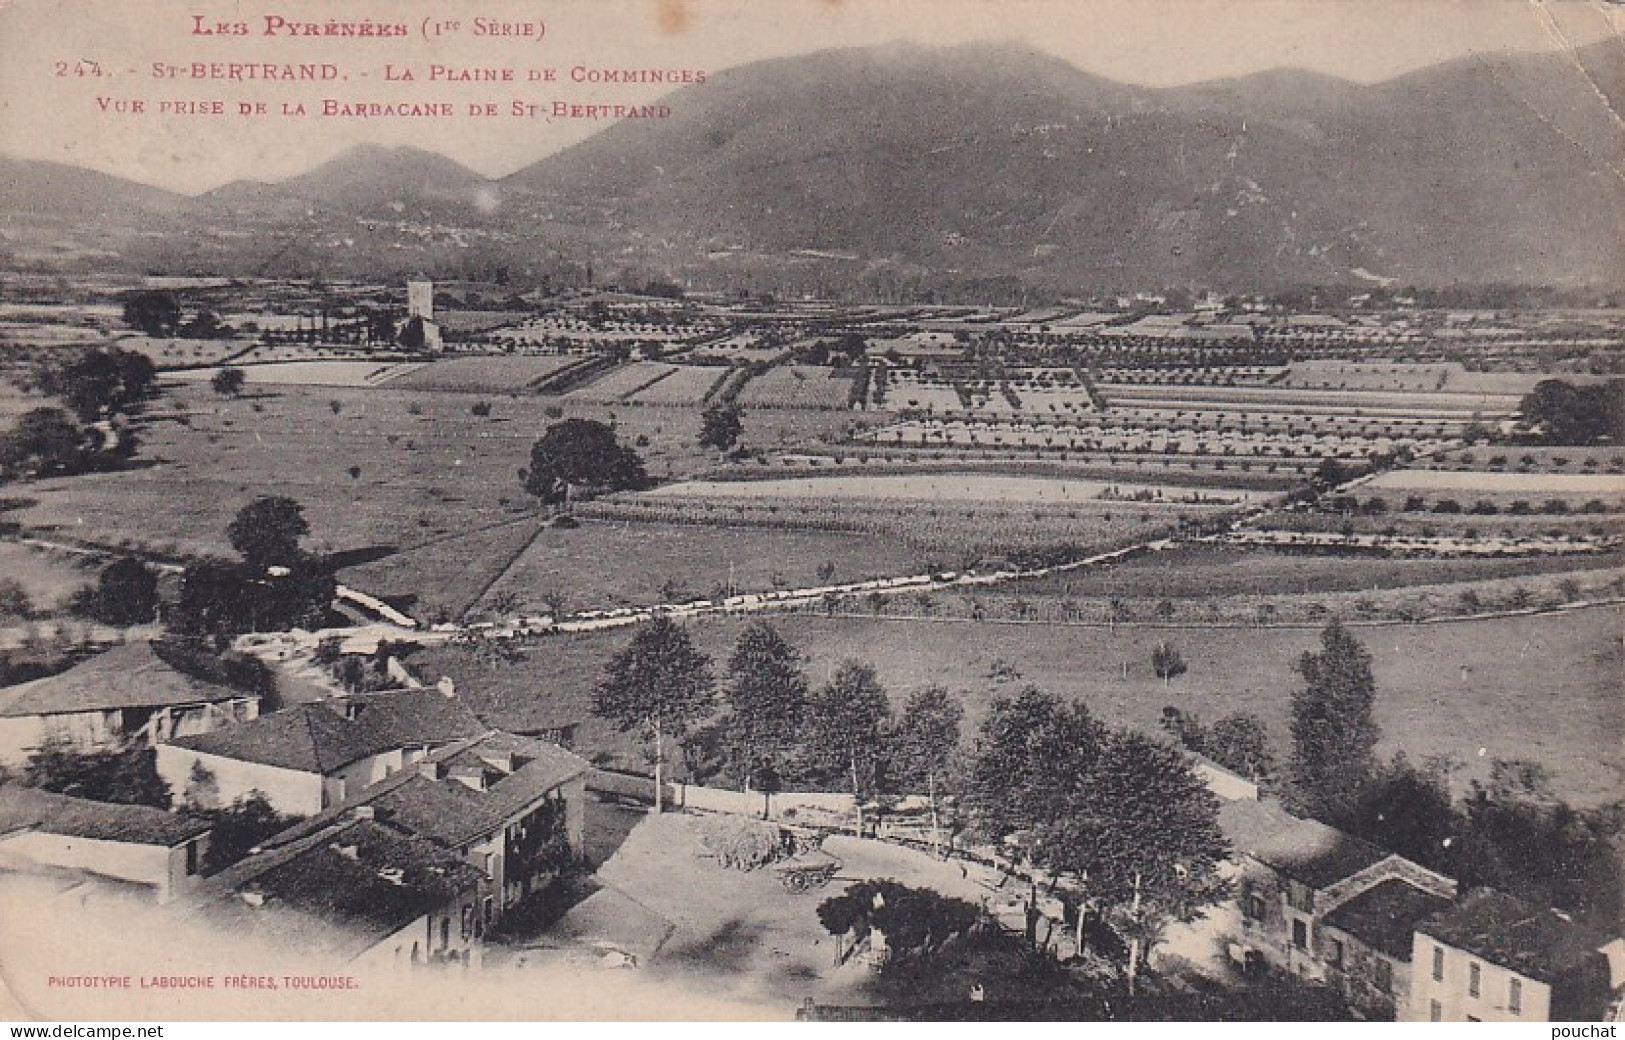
(135, 844)
(144, 693)
(353, 890)
(1315, 902)
(416, 719)
(1495, 958)
(303, 759)
(509, 806)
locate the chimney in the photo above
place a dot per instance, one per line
(363, 812)
(446, 687)
(252, 898)
(429, 769)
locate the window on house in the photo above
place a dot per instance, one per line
(467, 929)
(490, 866)
(489, 909)
(1435, 1011)
(1382, 975)
(1334, 953)
(191, 858)
(1514, 996)
(1438, 964)
(1256, 907)
(1473, 975)
(1300, 935)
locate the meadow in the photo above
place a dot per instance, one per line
(1543, 688)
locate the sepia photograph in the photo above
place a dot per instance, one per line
(1102, 511)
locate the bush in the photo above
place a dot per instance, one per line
(741, 844)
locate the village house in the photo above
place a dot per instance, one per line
(1496, 958)
(511, 807)
(415, 719)
(302, 759)
(157, 851)
(1326, 906)
(145, 692)
(353, 891)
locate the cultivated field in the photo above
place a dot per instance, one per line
(494, 375)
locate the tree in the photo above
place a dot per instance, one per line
(1409, 811)
(155, 312)
(226, 599)
(238, 829)
(1032, 757)
(658, 684)
(1143, 834)
(1167, 662)
(1334, 729)
(915, 921)
(202, 792)
(126, 593)
(267, 531)
(846, 724)
(44, 442)
(1240, 743)
(103, 382)
(127, 776)
(767, 693)
(923, 744)
(580, 453)
(228, 382)
(721, 426)
(1563, 413)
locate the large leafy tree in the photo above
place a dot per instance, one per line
(767, 697)
(128, 776)
(580, 453)
(660, 685)
(923, 744)
(267, 531)
(1408, 810)
(1334, 726)
(126, 593)
(721, 426)
(153, 311)
(1143, 834)
(44, 442)
(846, 730)
(1241, 743)
(1569, 414)
(103, 382)
(1030, 765)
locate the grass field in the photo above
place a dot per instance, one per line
(945, 487)
(49, 579)
(1199, 572)
(605, 563)
(1543, 688)
(425, 465)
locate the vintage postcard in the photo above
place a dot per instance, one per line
(828, 509)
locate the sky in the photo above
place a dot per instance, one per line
(53, 107)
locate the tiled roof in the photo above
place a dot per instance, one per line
(1303, 850)
(309, 738)
(1384, 917)
(1505, 930)
(449, 811)
(30, 808)
(415, 717)
(135, 675)
(339, 889)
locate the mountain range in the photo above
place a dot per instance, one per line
(900, 167)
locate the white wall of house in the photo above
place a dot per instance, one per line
(1453, 993)
(21, 736)
(288, 790)
(359, 774)
(163, 868)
